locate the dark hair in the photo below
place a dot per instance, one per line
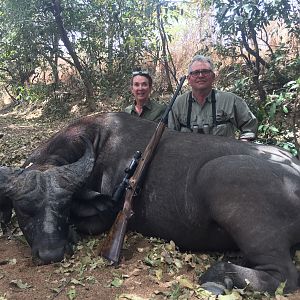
(141, 73)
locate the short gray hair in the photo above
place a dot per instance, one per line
(203, 59)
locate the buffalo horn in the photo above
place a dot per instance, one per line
(57, 181)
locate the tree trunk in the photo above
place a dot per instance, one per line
(258, 61)
(89, 91)
(164, 49)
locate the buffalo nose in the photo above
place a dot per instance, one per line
(48, 256)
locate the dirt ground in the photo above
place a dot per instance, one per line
(150, 269)
(86, 276)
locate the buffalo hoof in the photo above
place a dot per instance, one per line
(214, 288)
(218, 288)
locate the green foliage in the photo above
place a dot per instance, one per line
(262, 73)
(237, 79)
(280, 290)
(31, 93)
(111, 38)
(279, 118)
(234, 14)
(282, 68)
(71, 293)
(246, 30)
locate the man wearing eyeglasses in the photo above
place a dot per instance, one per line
(143, 107)
(209, 111)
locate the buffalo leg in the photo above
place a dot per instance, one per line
(245, 198)
(259, 279)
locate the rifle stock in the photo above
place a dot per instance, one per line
(114, 241)
(112, 246)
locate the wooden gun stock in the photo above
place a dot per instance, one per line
(112, 246)
(114, 241)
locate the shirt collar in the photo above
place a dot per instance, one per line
(207, 99)
(148, 105)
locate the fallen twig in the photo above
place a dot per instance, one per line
(61, 289)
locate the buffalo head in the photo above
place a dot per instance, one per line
(42, 201)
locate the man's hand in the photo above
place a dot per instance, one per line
(247, 137)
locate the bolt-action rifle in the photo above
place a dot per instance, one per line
(111, 248)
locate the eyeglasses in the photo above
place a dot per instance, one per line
(134, 73)
(204, 72)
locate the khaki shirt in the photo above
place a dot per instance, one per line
(231, 110)
(151, 111)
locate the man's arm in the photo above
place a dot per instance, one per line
(246, 121)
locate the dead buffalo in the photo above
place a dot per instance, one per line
(203, 192)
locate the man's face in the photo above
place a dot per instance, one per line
(202, 80)
(140, 89)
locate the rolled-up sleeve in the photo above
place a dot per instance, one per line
(246, 121)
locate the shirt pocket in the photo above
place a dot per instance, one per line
(222, 116)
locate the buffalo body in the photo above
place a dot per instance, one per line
(201, 191)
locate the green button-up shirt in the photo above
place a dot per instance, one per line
(151, 110)
(231, 110)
